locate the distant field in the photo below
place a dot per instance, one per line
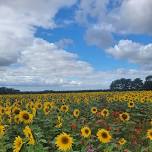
(76, 122)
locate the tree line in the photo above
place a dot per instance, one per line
(124, 84)
(4, 90)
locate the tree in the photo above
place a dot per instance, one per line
(115, 85)
(4, 90)
(148, 83)
(137, 84)
(121, 84)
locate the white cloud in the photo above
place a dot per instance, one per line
(99, 37)
(134, 16)
(120, 17)
(36, 12)
(18, 22)
(90, 9)
(134, 52)
(63, 43)
(44, 63)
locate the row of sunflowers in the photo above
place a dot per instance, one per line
(76, 122)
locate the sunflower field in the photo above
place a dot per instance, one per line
(76, 122)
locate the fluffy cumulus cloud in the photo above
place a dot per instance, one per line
(89, 14)
(109, 17)
(133, 52)
(122, 18)
(43, 63)
(134, 16)
(26, 60)
(92, 9)
(18, 22)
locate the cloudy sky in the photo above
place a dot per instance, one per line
(74, 44)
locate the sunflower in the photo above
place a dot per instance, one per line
(25, 117)
(47, 104)
(8, 111)
(64, 142)
(105, 112)
(10, 119)
(2, 130)
(94, 110)
(2, 110)
(124, 116)
(31, 105)
(46, 110)
(59, 122)
(149, 134)
(16, 110)
(28, 133)
(104, 136)
(121, 141)
(85, 132)
(51, 104)
(64, 108)
(38, 105)
(131, 104)
(76, 113)
(17, 145)
(33, 111)
(17, 119)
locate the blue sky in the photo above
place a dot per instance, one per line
(73, 44)
(89, 53)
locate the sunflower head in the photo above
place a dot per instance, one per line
(59, 122)
(124, 116)
(149, 134)
(104, 136)
(86, 132)
(25, 117)
(2, 110)
(38, 105)
(64, 142)
(76, 113)
(52, 104)
(131, 104)
(8, 111)
(64, 108)
(94, 110)
(105, 112)
(46, 110)
(17, 119)
(17, 145)
(28, 133)
(121, 141)
(2, 130)
(16, 110)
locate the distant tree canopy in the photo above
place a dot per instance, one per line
(128, 84)
(148, 83)
(137, 84)
(121, 84)
(4, 90)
